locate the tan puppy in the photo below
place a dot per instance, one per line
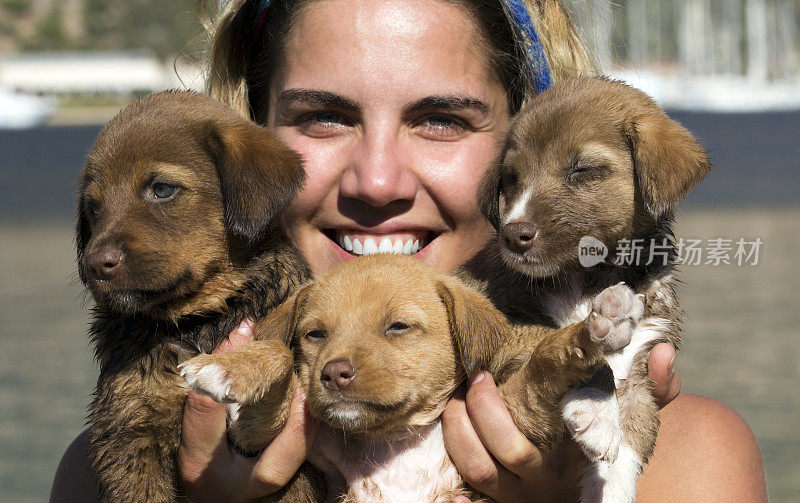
(177, 243)
(380, 344)
(593, 165)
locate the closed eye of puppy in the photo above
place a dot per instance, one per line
(594, 162)
(380, 343)
(177, 243)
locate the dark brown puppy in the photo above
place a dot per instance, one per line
(177, 242)
(590, 164)
(380, 343)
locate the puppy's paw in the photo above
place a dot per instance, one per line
(592, 418)
(615, 313)
(207, 376)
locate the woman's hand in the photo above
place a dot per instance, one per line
(495, 457)
(208, 470)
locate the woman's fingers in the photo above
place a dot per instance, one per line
(465, 448)
(496, 428)
(204, 456)
(284, 455)
(203, 438)
(661, 371)
(238, 337)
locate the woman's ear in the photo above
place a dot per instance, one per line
(668, 162)
(258, 176)
(476, 326)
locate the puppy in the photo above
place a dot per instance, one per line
(177, 242)
(594, 157)
(380, 344)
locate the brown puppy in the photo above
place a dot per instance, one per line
(593, 165)
(380, 344)
(177, 242)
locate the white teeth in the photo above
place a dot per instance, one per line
(370, 247)
(385, 246)
(378, 245)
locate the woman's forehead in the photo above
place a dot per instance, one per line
(386, 48)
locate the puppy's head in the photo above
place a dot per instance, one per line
(382, 341)
(177, 193)
(590, 156)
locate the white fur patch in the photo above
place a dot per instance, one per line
(648, 330)
(613, 482)
(593, 419)
(414, 467)
(207, 380)
(519, 209)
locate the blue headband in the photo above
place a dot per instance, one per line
(534, 53)
(262, 15)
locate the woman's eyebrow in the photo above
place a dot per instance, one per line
(313, 97)
(453, 103)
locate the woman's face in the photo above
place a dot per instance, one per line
(397, 115)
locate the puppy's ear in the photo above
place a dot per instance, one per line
(258, 176)
(668, 161)
(476, 325)
(489, 196)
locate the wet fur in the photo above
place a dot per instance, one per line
(191, 269)
(592, 156)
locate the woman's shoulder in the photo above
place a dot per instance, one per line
(704, 448)
(74, 479)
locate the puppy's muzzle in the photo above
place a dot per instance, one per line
(105, 262)
(519, 237)
(337, 375)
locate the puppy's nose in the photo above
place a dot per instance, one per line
(519, 236)
(104, 262)
(336, 375)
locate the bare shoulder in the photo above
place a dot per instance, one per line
(74, 480)
(704, 450)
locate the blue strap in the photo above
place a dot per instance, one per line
(534, 53)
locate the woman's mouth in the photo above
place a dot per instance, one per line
(361, 243)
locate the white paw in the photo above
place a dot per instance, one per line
(615, 313)
(592, 417)
(210, 380)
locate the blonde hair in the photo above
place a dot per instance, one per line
(243, 55)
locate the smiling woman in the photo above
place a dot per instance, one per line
(395, 134)
(398, 107)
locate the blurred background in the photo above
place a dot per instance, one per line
(729, 70)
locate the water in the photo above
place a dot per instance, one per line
(740, 341)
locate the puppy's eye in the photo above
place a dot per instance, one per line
(163, 190)
(92, 210)
(508, 181)
(397, 328)
(585, 172)
(316, 335)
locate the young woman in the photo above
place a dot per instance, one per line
(398, 107)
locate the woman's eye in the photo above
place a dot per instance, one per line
(442, 127)
(323, 123)
(397, 328)
(163, 190)
(316, 335)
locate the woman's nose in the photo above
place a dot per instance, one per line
(379, 172)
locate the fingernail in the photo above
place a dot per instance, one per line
(478, 378)
(246, 327)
